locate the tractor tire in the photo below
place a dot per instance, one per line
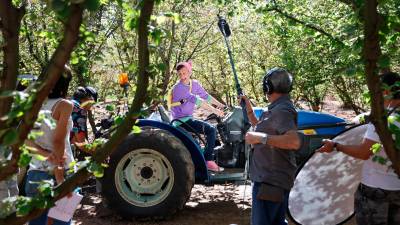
(150, 175)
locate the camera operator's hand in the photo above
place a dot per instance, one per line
(221, 107)
(220, 113)
(55, 160)
(243, 97)
(253, 137)
(328, 146)
(249, 107)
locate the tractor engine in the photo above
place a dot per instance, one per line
(232, 130)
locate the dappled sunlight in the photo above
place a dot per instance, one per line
(219, 204)
(324, 189)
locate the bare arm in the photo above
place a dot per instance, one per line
(37, 148)
(78, 138)
(211, 109)
(361, 151)
(61, 113)
(215, 102)
(289, 140)
(250, 112)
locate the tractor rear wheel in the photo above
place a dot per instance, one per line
(150, 175)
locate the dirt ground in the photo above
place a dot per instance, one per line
(228, 204)
(219, 204)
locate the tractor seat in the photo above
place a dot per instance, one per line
(165, 117)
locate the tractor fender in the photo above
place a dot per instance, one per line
(201, 172)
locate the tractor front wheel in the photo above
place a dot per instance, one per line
(150, 175)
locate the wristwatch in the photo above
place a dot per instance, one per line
(335, 144)
(264, 139)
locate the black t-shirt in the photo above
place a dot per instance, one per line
(269, 164)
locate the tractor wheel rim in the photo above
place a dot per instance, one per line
(144, 177)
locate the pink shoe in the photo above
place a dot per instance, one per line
(212, 166)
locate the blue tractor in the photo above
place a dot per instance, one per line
(152, 173)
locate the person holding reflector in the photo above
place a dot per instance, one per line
(377, 199)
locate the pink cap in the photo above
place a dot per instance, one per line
(187, 64)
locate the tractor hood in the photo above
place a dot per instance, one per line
(314, 122)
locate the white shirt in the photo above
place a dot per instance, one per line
(46, 140)
(375, 174)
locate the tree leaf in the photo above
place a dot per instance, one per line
(10, 137)
(136, 129)
(92, 5)
(23, 205)
(24, 159)
(110, 108)
(376, 148)
(96, 169)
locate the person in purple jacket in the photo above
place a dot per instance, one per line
(185, 96)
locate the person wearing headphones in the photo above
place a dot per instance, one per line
(273, 164)
(83, 99)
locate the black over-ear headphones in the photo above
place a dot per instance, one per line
(268, 86)
(80, 93)
(85, 92)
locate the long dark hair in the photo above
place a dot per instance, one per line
(60, 89)
(392, 82)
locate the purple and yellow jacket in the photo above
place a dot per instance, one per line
(184, 98)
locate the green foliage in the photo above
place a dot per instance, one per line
(46, 188)
(131, 17)
(118, 120)
(96, 168)
(7, 206)
(319, 42)
(62, 8)
(25, 157)
(34, 134)
(110, 108)
(91, 147)
(10, 137)
(136, 129)
(22, 103)
(92, 5)
(379, 159)
(23, 205)
(156, 35)
(376, 148)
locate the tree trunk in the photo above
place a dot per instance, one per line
(143, 81)
(167, 61)
(343, 91)
(49, 79)
(10, 24)
(371, 54)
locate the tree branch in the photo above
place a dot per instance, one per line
(32, 51)
(350, 3)
(167, 61)
(306, 24)
(108, 34)
(371, 54)
(201, 39)
(126, 127)
(48, 79)
(11, 22)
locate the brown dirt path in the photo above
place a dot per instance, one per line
(216, 205)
